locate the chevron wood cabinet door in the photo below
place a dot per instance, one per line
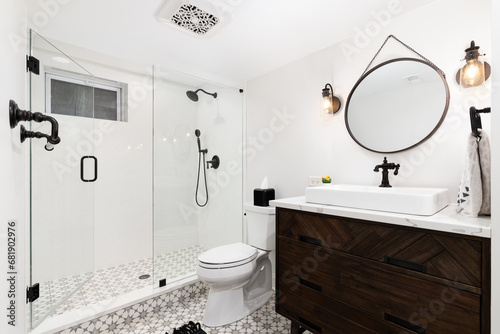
(343, 275)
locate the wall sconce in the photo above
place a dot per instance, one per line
(474, 72)
(331, 104)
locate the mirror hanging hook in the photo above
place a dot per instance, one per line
(409, 48)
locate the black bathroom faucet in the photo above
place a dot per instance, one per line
(385, 173)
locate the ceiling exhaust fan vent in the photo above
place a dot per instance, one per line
(192, 18)
(196, 17)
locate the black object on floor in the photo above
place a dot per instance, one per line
(189, 328)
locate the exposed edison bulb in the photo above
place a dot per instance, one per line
(470, 71)
(327, 105)
(472, 74)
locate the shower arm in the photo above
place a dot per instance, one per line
(204, 91)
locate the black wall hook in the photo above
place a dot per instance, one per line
(475, 120)
(16, 115)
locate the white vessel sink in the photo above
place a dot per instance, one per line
(415, 201)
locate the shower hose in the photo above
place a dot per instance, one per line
(198, 180)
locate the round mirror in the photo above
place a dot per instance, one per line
(397, 105)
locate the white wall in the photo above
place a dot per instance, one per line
(495, 154)
(13, 194)
(288, 140)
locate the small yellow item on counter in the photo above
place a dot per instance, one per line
(326, 179)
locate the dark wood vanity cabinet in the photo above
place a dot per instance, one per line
(347, 276)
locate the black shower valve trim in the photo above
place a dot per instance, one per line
(214, 163)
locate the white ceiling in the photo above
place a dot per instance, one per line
(260, 35)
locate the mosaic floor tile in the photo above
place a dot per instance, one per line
(172, 310)
(112, 282)
(157, 315)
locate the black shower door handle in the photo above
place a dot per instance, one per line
(82, 168)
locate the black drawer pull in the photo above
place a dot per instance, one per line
(404, 323)
(406, 264)
(310, 285)
(310, 324)
(310, 240)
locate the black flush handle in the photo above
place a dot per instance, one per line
(406, 264)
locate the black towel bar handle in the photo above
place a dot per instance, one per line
(475, 119)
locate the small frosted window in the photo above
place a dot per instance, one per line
(77, 96)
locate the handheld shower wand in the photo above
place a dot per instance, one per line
(215, 162)
(197, 134)
(200, 153)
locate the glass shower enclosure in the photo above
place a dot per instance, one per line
(138, 226)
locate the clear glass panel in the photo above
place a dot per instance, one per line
(182, 229)
(62, 206)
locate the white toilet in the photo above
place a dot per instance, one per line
(239, 275)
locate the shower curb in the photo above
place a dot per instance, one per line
(122, 320)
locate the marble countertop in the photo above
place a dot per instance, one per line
(446, 220)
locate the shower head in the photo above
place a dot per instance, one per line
(193, 96)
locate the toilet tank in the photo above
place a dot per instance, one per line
(261, 226)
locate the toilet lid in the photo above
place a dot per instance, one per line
(228, 255)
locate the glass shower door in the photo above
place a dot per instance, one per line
(61, 187)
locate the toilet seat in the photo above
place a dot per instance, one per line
(227, 256)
